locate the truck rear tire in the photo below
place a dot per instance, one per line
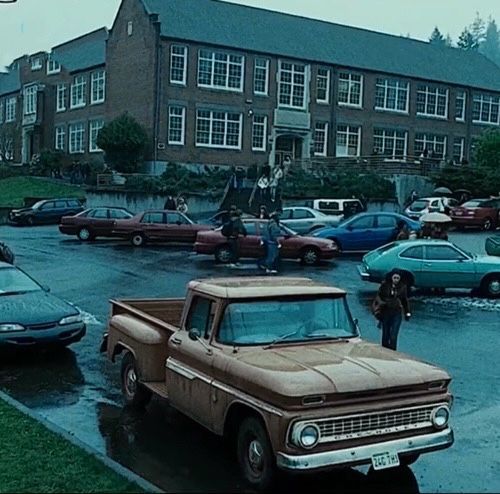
(135, 394)
(255, 454)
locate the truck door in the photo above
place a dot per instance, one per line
(189, 365)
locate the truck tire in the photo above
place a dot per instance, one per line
(255, 454)
(136, 395)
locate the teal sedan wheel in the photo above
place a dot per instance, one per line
(491, 286)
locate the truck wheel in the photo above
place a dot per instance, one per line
(255, 455)
(134, 393)
(223, 254)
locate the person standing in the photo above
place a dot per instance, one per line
(182, 206)
(392, 303)
(273, 232)
(263, 214)
(232, 230)
(170, 204)
(402, 231)
(276, 178)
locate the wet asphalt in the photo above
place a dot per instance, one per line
(80, 391)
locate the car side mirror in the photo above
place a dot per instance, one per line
(194, 334)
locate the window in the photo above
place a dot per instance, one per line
(76, 135)
(432, 101)
(53, 67)
(47, 205)
(323, 86)
(1, 112)
(286, 214)
(292, 85)
(60, 138)
(130, 28)
(251, 227)
(348, 140)
(362, 223)
(443, 253)
(460, 106)
(98, 83)
(61, 205)
(220, 70)
(176, 124)
(178, 64)
(176, 219)
(392, 95)
(78, 92)
(153, 218)
(390, 143)
(36, 63)
(99, 214)
(458, 150)
(30, 97)
(94, 127)
(385, 221)
(74, 204)
(201, 316)
(119, 214)
(10, 109)
(259, 132)
(350, 89)
(8, 149)
(261, 76)
(485, 109)
(218, 129)
(321, 139)
(61, 95)
(413, 253)
(434, 144)
(302, 214)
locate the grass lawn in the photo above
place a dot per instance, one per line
(34, 459)
(13, 190)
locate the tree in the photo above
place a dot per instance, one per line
(9, 139)
(124, 142)
(478, 30)
(436, 37)
(448, 41)
(466, 41)
(491, 44)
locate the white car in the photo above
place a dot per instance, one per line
(305, 220)
(429, 205)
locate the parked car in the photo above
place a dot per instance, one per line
(339, 208)
(219, 218)
(308, 249)
(305, 220)
(93, 222)
(366, 231)
(479, 213)
(45, 212)
(430, 205)
(30, 315)
(162, 226)
(278, 368)
(434, 264)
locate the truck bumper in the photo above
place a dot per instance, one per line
(363, 454)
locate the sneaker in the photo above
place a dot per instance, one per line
(273, 271)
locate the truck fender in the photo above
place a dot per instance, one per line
(234, 415)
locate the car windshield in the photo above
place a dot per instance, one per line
(262, 322)
(38, 204)
(419, 205)
(472, 204)
(13, 281)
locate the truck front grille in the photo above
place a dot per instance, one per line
(374, 424)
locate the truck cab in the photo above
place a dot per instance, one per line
(277, 365)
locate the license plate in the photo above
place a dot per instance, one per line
(385, 460)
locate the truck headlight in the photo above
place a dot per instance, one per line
(440, 417)
(71, 320)
(306, 435)
(11, 327)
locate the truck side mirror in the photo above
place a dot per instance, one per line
(194, 334)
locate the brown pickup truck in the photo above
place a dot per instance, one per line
(278, 366)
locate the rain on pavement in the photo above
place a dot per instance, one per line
(79, 390)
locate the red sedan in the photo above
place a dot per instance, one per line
(160, 226)
(479, 213)
(309, 250)
(93, 223)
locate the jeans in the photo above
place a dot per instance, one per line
(272, 255)
(390, 329)
(235, 248)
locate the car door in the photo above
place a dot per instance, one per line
(411, 259)
(189, 365)
(46, 212)
(100, 222)
(153, 225)
(360, 233)
(250, 245)
(115, 214)
(385, 230)
(179, 228)
(302, 220)
(445, 266)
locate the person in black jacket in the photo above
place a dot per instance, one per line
(393, 297)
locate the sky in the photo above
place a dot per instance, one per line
(29, 26)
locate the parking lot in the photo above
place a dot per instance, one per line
(79, 390)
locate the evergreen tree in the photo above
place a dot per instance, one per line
(448, 41)
(466, 41)
(478, 30)
(490, 47)
(436, 37)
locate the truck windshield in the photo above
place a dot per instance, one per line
(261, 322)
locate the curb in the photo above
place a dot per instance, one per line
(113, 465)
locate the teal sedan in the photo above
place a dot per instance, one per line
(433, 264)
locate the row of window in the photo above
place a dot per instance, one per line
(53, 67)
(74, 136)
(8, 108)
(221, 70)
(78, 91)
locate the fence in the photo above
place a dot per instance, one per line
(117, 181)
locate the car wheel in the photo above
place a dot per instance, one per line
(491, 286)
(255, 454)
(30, 221)
(310, 256)
(138, 239)
(135, 394)
(487, 224)
(223, 254)
(84, 234)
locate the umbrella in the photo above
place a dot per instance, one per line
(463, 191)
(443, 190)
(435, 218)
